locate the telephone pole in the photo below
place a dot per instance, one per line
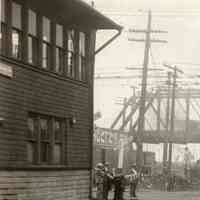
(141, 119)
(172, 117)
(165, 145)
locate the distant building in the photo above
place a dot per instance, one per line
(46, 98)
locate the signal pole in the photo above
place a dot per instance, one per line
(141, 119)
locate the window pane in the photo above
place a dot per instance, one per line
(58, 130)
(45, 55)
(30, 127)
(44, 152)
(2, 9)
(32, 50)
(16, 15)
(44, 129)
(71, 40)
(71, 64)
(59, 60)
(16, 44)
(30, 152)
(46, 29)
(57, 154)
(82, 43)
(32, 23)
(80, 68)
(59, 35)
(2, 39)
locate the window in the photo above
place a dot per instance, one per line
(46, 43)
(82, 58)
(71, 54)
(31, 143)
(2, 27)
(45, 139)
(57, 149)
(32, 37)
(2, 8)
(16, 30)
(59, 49)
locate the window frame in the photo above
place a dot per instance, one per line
(3, 38)
(51, 141)
(34, 39)
(19, 32)
(71, 68)
(60, 48)
(18, 54)
(82, 59)
(47, 44)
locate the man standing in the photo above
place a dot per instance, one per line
(99, 179)
(133, 179)
(108, 179)
(119, 183)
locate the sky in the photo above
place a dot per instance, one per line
(181, 18)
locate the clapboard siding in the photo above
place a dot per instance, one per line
(37, 91)
(49, 185)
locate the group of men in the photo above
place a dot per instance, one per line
(105, 180)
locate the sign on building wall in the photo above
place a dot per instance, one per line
(6, 70)
(106, 138)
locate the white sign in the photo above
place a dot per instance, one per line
(6, 70)
(106, 138)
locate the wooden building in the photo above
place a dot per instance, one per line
(47, 51)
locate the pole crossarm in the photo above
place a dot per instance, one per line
(146, 31)
(143, 40)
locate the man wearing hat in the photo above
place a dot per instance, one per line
(133, 179)
(99, 179)
(119, 183)
(108, 180)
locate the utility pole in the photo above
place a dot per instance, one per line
(165, 145)
(141, 119)
(172, 117)
(187, 113)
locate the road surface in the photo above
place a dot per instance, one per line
(160, 195)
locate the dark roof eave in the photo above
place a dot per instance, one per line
(105, 22)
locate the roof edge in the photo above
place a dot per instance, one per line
(99, 14)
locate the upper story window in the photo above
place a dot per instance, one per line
(2, 8)
(69, 49)
(82, 57)
(71, 54)
(16, 30)
(46, 37)
(32, 37)
(59, 49)
(2, 27)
